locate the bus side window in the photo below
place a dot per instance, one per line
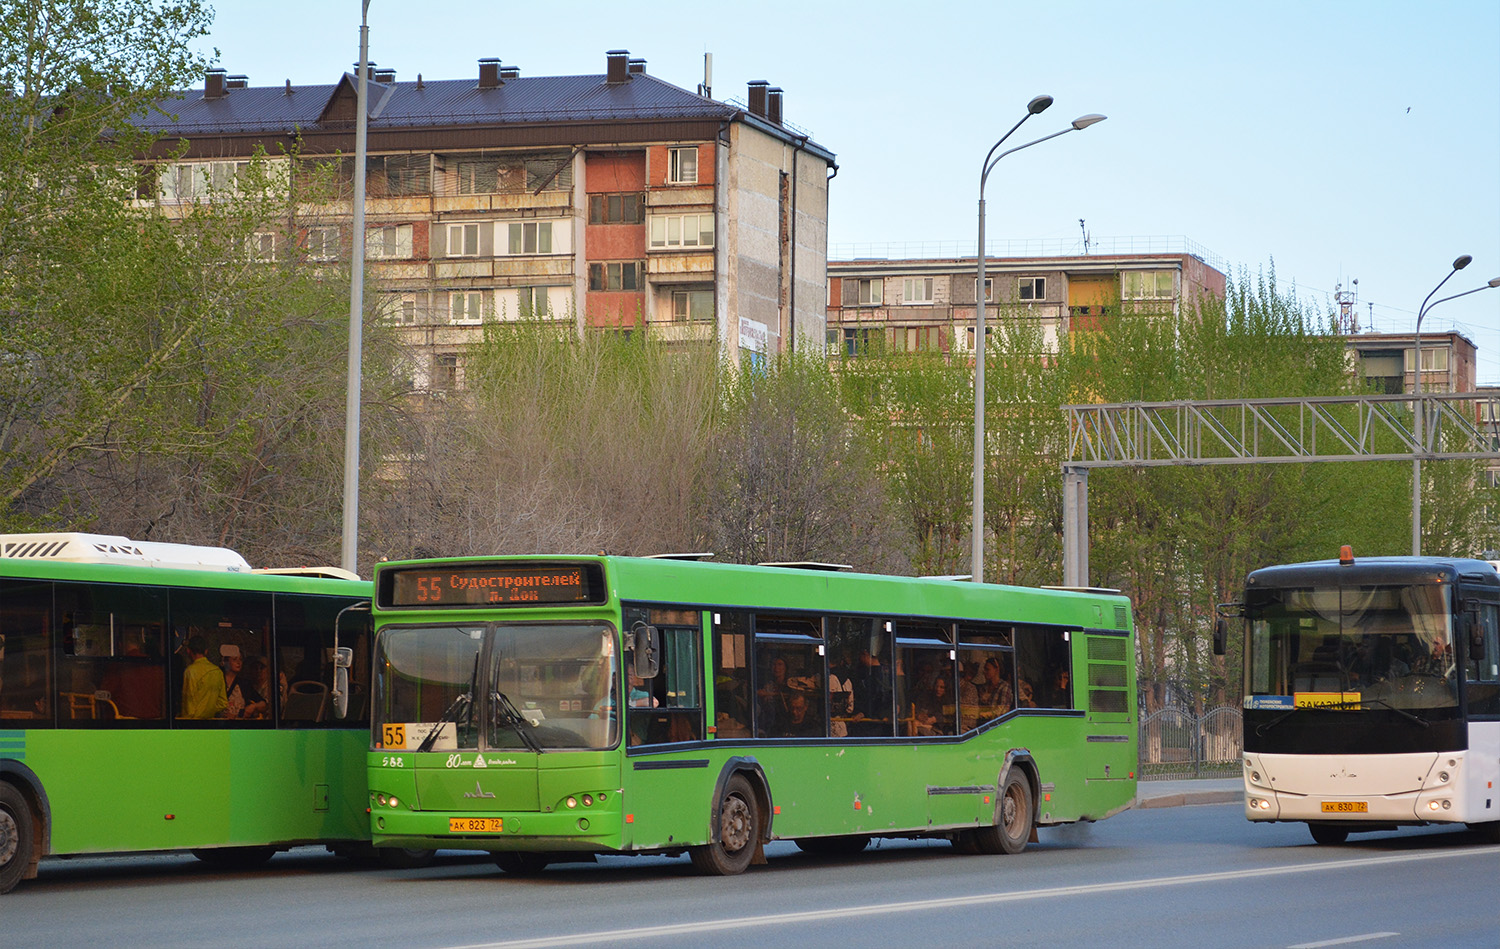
(731, 674)
(113, 663)
(235, 630)
(1483, 687)
(1044, 674)
(25, 652)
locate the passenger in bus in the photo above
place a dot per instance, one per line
(932, 710)
(135, 684)
(242, 699)
(203, 694)
(1025, 695)
(801, 722)
(772, 706)
(1062, 690)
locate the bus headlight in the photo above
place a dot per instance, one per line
(1443, 777)
(394, 802)
(588, 800)
(381, 798)
(1259, 804)
(571, 801)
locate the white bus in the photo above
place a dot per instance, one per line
(1372, 694)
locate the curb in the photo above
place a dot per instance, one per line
(1192, 797)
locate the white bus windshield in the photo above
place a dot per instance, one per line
(1351, 647)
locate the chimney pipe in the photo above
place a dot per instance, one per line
(758, 97)
(236, 82)
(773, 105)
(510, 72)
(213, 84)
(384, 76)
(634, 66)
(489, 73)
(617, 66)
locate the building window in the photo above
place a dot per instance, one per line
(682, 166)
(399, 309)
(989, 333)
(857, 341)
(463, 240)
(1030, 288)
(534, 237)
(692, 305)
(1148, 285)
(466, 306)
(323, 243)
(1434, 358)
(533, 303)
(478, 177)
(989, 289)
(200, 181)
(616, 276)
(261, 246)
(862, 292)
(916, 290)
(913, 339)
(398, 175)
(617, 208)
(445, 371)
(682, 230)
(392, 242)
(549, 174)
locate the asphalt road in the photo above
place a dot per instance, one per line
(1177, 876)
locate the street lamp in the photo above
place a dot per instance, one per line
(350, 553)
(1034, 107)
(1416, 464)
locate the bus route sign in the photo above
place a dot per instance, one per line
(492, 584)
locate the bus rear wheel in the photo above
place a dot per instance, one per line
(17, 836)
(521, 863)
(1328, 834)
(833, 846)
(738, 831)
(235, 858)
(1012, 827)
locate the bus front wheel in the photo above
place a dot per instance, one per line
(1328, 834)
(734, 840)
(1012, 827)
(17, 835)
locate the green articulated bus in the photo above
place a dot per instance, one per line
(166, 697)
(549, 709)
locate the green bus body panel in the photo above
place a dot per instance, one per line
(661, 798)
(117, 790)
(120, 791)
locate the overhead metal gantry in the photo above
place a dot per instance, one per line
(1455, 426)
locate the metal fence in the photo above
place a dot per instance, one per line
(1177, 744)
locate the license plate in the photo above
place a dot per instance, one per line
(1345, 807)
(475, 825)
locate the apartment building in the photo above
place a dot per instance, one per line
(910, 303)
(610, 201)
(1387, 360)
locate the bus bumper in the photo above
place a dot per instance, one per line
(1376, 789)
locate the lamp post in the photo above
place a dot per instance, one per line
(1034, 107)
(350, 555)
(1416, 387)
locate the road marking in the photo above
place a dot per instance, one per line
(981, 899)
(1342, 942)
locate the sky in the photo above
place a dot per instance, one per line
(1323, 141)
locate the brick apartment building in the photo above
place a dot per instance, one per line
(614, 200)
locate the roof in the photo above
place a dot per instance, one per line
(1373, 570)
(456, 103)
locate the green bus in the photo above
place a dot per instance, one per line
(548, 709)
(166, 697)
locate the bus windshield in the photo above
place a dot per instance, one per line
(1350, 648)
(522, 687)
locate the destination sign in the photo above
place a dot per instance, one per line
(492, 584)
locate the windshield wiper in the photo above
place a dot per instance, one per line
(465, 701)
(1399, 711)
(513, 717)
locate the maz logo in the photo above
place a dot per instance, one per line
(478, 792)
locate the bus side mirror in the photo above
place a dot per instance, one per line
(1221, 637)
(343, 659)
(1475, 632)
(645, 650)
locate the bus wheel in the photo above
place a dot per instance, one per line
(404, 858)
(733, 846)
(1012, 827)
(833, 846)
(16, 836)
(1328, 834)
(235, 858)
(521, 863)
